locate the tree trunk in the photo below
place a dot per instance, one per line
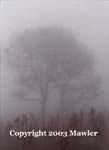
(43, 111)
(43, 114)
(62, 108)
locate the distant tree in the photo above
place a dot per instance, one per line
(51, 58)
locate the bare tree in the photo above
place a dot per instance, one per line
(49, 58)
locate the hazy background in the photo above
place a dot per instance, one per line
(89, 20)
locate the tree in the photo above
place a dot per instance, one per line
(51, 57)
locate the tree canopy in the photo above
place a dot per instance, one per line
(52, 57)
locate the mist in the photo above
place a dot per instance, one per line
(88, 20)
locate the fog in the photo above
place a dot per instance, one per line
(88, 20)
